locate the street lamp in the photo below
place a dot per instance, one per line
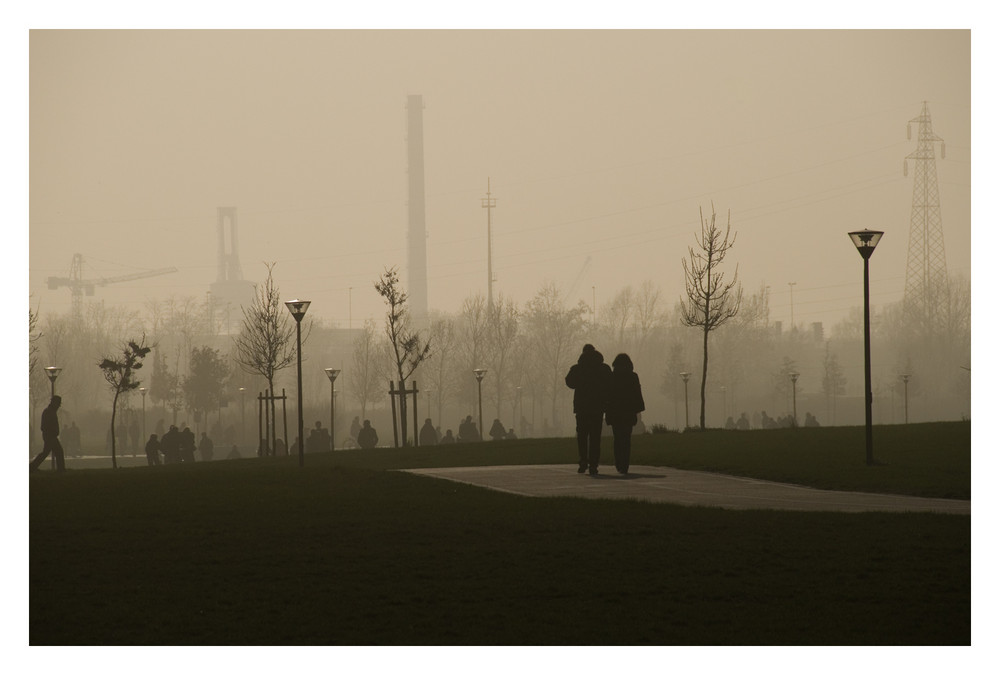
(866, 241)
(520, 412)
(906, 399)
(142, 390)
(480, 372)
(332, 373)
(53, 373)
(298, 309)
(795, 414)
(243, 415)
(685, 376)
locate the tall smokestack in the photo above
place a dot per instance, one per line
(417, 234)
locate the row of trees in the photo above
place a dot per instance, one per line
(527, 349)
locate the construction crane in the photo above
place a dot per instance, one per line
(78, 285)
(579, 278)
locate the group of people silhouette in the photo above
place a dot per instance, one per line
(604, 394)
(178, 447)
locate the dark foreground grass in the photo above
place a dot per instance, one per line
(262, 552)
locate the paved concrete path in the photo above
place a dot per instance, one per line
(689, 488)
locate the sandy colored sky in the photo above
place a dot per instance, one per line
(598, 145)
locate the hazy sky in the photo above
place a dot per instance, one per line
(597, 144)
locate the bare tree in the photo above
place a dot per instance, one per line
(834, 382)
(119, 372)
(617, 316)
(439, 366)
(711, 301)
(554, 332)
(266, 341)
(472, 327)
(502, 329)
(364, 377)
(405, 342)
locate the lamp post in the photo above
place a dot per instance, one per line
(685, 376)
(142, 390)
(298, 309)
(243, 415)
(332, 373)
(480, 372)
(795, 414)
(520, 413)
(906, 399)
(53, 373)
(791, 301)
(724, 404)
(866, 241)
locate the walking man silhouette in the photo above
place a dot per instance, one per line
(50, 437)
(590, 380)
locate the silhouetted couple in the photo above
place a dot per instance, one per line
(599, 391)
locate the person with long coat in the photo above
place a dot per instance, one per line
(153, 451)
(367, 438)
(590, 380)
(624, 405)
(428, 434)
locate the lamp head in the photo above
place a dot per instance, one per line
(480, 372)
(865, 241)
(297, 308)
(332, 373)
(685, 376)
(52, 372)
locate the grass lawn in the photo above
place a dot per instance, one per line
(346, 552)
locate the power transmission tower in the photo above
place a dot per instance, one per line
(489, 203)
(926, 272)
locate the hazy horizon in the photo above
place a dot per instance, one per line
(596, 144)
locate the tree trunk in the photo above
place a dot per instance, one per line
(704, 375)
(402, 413)
(114, 409)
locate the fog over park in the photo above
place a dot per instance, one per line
(599, 148)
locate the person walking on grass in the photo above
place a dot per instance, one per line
(367, 438)
(50, 437)
(153, 451)
(624, 406)
(590, 380)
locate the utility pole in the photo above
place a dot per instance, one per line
(791, 299)
(489, 203)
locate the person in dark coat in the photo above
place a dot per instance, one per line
(50, 437)
(497, 431)
(467, 431)
(624, 406)
(206, 447)
(447, 438)
(187, 445)
(170, 446)
(590, 380)
(428, 434)
(153, 451)
(367, 438)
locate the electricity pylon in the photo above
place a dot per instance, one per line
(926, 273)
